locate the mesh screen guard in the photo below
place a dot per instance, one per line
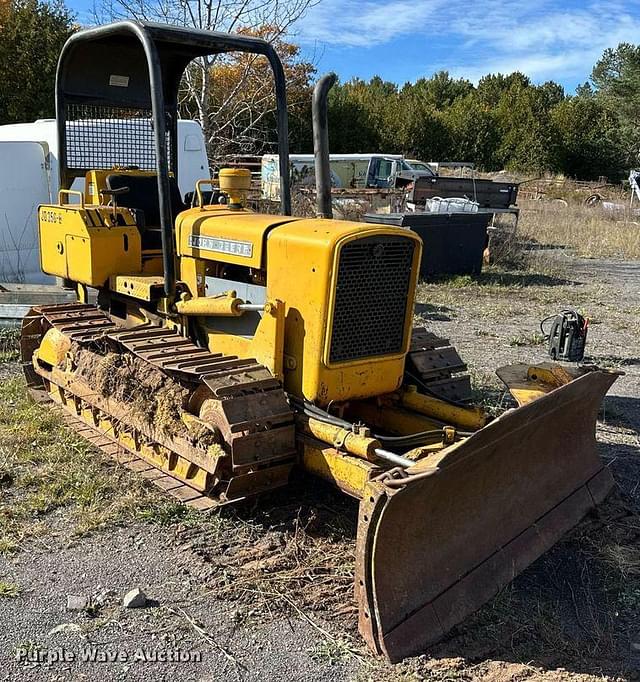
(101, 137)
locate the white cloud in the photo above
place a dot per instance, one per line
(546, 39)
(364, 22)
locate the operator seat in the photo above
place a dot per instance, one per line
(143, 197)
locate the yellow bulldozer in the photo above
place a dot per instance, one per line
(213, 348)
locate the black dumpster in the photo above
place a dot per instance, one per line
(453, 242)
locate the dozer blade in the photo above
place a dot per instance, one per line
(437, 544)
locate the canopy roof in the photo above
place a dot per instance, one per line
(131, 50)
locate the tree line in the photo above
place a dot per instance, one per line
(503, 122)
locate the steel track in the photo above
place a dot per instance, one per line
(247, 403)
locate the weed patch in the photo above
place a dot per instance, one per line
(9, 344)
(527, 339)
(9, 590)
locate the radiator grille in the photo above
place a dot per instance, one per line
(105, 136)
(372, 285)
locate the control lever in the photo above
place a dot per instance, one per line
(114, 194)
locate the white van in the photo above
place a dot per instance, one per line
(29, 177)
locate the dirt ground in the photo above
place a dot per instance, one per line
(263, 591)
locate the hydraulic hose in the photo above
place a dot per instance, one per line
(408, 441)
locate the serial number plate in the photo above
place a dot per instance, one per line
(230, 246)
(47, 216)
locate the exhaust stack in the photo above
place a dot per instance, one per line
(321, 144)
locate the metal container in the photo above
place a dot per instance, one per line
(454, 243)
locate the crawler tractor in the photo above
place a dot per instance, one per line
(212, 349)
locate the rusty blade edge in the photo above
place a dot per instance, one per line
(500, 568)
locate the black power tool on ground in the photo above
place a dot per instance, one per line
(567, 335)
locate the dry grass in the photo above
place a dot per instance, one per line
(45, 467)
(559, 219)
(497, 295)
(592, 232)
(292, 549)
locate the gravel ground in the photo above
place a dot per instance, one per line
(175, 622)
(564, 618)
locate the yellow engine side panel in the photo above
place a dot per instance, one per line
(226, 235)
(302, 258)
(77, 243)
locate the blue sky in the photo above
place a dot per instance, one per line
(405, 39)
(402, 40)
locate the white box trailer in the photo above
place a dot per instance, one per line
(29, 177)
(24, 184)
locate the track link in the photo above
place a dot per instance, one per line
(437, 366)
(239, 400)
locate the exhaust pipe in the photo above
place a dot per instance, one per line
(321, 144)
